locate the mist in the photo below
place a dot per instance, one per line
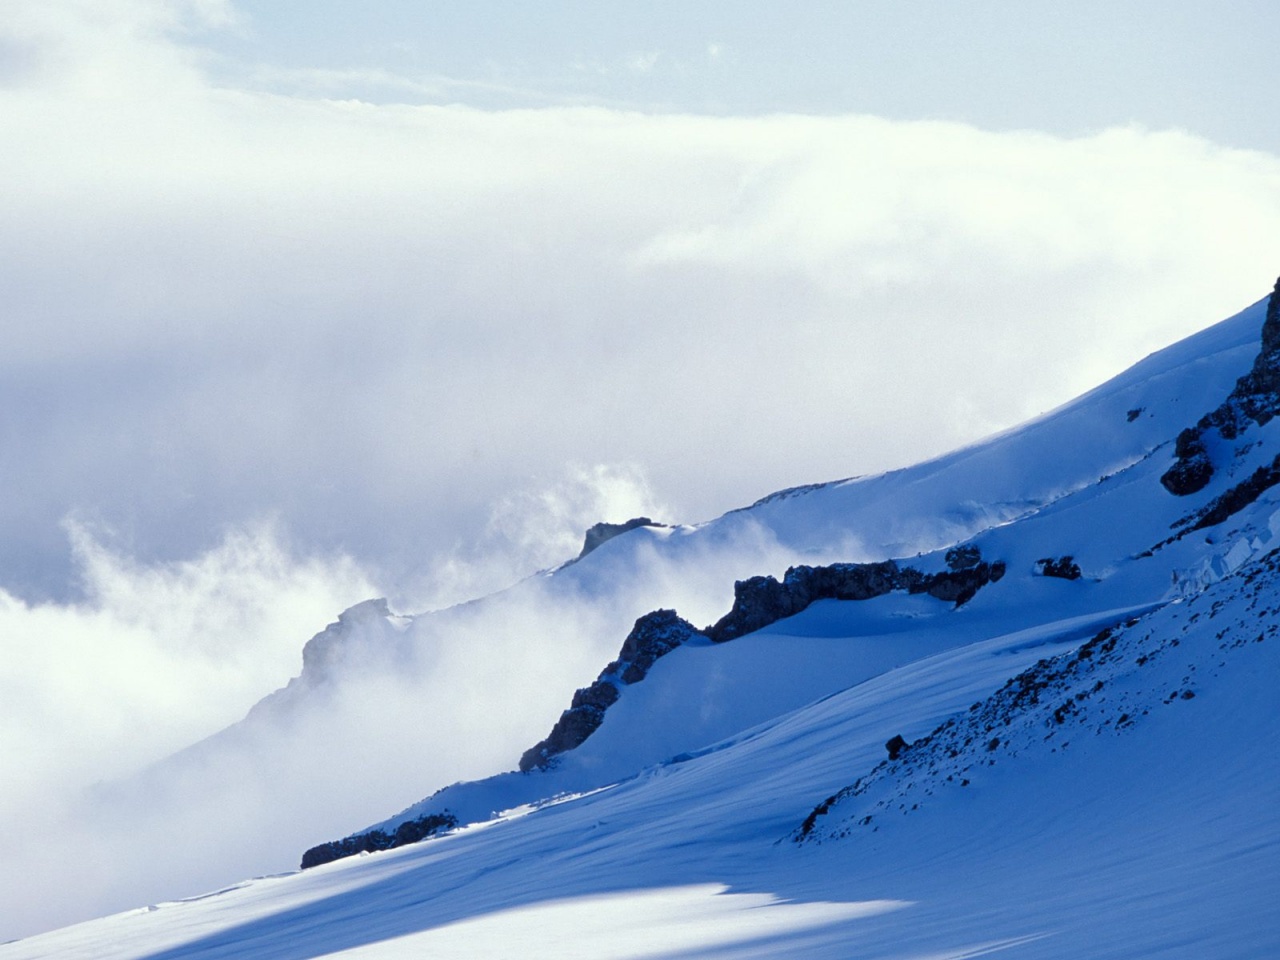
(148, 774)
(374, 322)
(267, 356)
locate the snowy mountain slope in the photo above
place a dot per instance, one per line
(1080, 482)
(1155, 837)
(704, 692)
(953, 497)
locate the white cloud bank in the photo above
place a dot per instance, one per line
(155, 658)
(100, 695)
(377, 322)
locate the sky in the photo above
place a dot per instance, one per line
(1068, 69)
(306, 303)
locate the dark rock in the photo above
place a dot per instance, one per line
(960, 586)
(411, 831)
(1193, 469)
(760, 601)
(1064, 567)
(842, 581)
(1238, 497)
(604, 532)
(583, 718)
(963, 557)
(1255, 397)
(757, 603)
(654, 635)
(896, 746)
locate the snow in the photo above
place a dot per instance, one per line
(1115, 801)
(1154, 840)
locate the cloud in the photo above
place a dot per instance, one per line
(380, 320)
(537, 528)
(102, 698)
(157, 656)
(108, 50)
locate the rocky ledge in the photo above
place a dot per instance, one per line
(1254, 399)
(758, 602)
(654, 635)
(411, 831)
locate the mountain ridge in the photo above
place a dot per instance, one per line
(592, 703)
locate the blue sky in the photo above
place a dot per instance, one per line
(1065, 68)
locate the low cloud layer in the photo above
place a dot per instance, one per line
(138, 778)
(374, 322)
(156, 656)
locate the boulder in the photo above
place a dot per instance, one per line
(896, 746)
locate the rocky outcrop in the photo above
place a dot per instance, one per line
(1192, 469)
(363, 637)
(758, 602)
(654, 635)
(1064, 567)
(1254, 399)
(411, 831)
(604, 532)
(583, 718)
(1224, 506)
(1237, 497)
(761, 601)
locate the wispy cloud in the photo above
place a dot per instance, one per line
(164, 654)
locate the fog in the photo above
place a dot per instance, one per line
(139, 777)
(266, 356)
(374, 322)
